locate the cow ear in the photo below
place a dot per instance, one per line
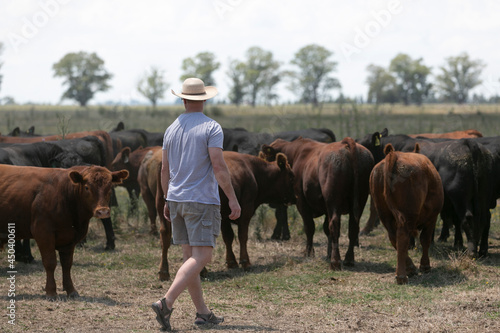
(388, 149)
(268, 150)
(118, 176)
(384, 133)
(126, 154)
(16, 131)
(376, 139)
(282, 161)
(76, 177)
(31, 130)
(417, 148)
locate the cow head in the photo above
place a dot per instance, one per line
(94, 185)
(373, 143)
(121, 160)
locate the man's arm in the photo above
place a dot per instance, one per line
(224, 179)
(165, 178)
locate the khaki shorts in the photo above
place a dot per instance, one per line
(194, 223)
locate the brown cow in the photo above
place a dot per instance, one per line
(54, 207)
(470, 133)
(131, 161)
(330, 179)
(408, 196)
(255, 181)
(147, 177)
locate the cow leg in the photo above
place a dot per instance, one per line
(402, 241)
(353, 239)
(165, 237)
(309, 229)
(150, 201)
(483, 246)
(228, 237)
(23, 251)
(333, 239)
(49, 259)
(134, 200)
(110, 233)
(468, 226)
(373, 220)
(66, 258)
(243, 239)
(425, 241)
(281, 231)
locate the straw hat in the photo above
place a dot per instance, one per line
(194, 89)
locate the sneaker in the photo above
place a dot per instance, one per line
(163, 314)
(207, 320)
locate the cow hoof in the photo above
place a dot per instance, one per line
(163, 276)
(425, 269)
(110, 247)
(51, 298)
(349, 263)
(286, 237)
(154, 232)
(245, 264)
(73, 294)
(335, 266)
(401, 279)
(232, 264)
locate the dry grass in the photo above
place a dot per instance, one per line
(282, 292)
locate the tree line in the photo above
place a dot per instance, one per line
(254, 79)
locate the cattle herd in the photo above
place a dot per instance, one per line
(51, 186)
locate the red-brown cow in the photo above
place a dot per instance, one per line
(255, 181)
(131, 161)
(408, 196)
(470, 133)
(147, 177)
(330, 179)
(54, 207)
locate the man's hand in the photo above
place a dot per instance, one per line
(235, 209)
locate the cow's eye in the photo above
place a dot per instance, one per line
(86, 188)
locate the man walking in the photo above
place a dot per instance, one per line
(193, 169)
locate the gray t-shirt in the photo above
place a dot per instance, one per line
(187, 141)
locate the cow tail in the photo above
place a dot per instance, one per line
(476, 160)
(160, 201)
(351, 146)
(390, 175)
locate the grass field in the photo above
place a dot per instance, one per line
(283, 291)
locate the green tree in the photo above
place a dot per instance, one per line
(382, 86)
(236, 73)
(84, 75)
(411, 78)
(152, 85)
(1, 63)
(202, 66)
(312, 81)
(458, 76)
(261, 74)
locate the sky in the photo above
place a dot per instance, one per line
(131, 36)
